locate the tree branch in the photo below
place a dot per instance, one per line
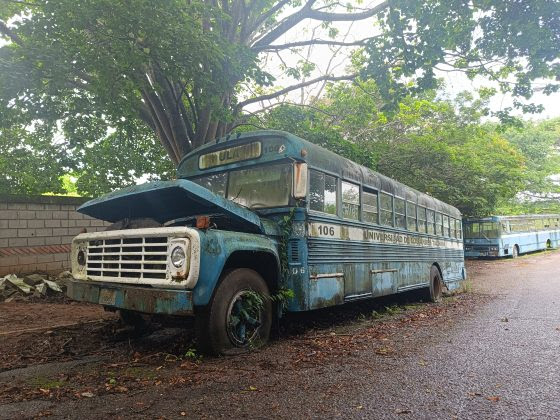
(281, 92)
(270, 12)
(10, 34)
(314, 42)
(347, 17)
(307, 13)
(285, 25)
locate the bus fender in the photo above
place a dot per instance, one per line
(219, 250)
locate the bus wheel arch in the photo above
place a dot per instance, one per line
(548, 244)
(515, 251)
(264, 263)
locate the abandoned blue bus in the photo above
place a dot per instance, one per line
(509, 236)
(254, 217)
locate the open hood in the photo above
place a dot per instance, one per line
(167, 200)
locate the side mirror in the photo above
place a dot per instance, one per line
(300, 180)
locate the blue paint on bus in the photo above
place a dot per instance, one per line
(355, 234)
(509, 236)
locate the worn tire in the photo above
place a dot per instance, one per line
(434, 292)
(213, 323)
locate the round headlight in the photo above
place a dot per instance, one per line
(81, 258)
(178, 256)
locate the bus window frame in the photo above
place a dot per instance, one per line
(338, 197)
(392, 209)
(368, 190)
(342, 200)
(407, 202)
(395, 198)
(425, 220)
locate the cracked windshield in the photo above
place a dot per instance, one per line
(261, 187)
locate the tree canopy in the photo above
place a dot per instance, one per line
(186, 70)
(110, 92)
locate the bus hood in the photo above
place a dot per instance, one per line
(167, 200)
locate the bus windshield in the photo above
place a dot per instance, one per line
(260, 187)
(485, 230)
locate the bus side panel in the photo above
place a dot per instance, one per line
(453, 273)
(343, 268)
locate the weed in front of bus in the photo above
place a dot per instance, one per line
(376, 315)
(393, 310)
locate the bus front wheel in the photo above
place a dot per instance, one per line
(515, 252)
(435, 289)
(239, 316)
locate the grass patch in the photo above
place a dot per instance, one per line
(140, 373)
(46, 383)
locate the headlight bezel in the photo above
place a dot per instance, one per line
(182, 260)
(178, 273)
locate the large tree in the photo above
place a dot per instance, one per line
(187, 70)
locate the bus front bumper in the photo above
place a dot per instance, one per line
(134, 298)
(481, 253)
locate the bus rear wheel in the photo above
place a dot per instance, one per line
(239, 316)
(435, 290)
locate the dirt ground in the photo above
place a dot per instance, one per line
(56, 358)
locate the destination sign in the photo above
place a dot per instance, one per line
(230, 155)
(352, 233)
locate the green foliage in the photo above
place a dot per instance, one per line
(436, 146)
(285, 225)
(105, 90)
(29, 162)
(116, 159)
(539, 144)
(512, 42)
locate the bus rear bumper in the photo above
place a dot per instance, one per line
(140, 299)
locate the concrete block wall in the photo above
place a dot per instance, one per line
(36, 232)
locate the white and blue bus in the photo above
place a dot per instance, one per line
(509, 236)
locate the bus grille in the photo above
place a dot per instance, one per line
(128, 258)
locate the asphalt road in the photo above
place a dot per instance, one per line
(492, 353)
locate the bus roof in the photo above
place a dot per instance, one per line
(514, 217)
(317, 157)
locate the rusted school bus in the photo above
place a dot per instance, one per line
(253, 215)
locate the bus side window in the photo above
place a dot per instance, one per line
(439, 226)
(431, 221)
(369, 208)
(445, 225)
(452, 231)
(505, 226)
(350, 201)
(386, 213)
(411, 216)
(400, 218)
(422, 219)
(458, 227)
(322, 192)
